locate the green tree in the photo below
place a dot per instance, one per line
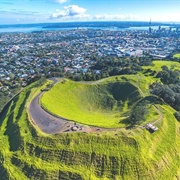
(138, 114)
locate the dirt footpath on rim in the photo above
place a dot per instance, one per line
(51, 124)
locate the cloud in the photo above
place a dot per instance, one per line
(61, 1)
(169, 17)
(68, 12)
(76, 12)
(114, 17)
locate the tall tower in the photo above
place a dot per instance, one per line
(150, 30)
(159, 29)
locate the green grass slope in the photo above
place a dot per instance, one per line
(26, 153)
(102, 104)
(156, 66)
(176, 56)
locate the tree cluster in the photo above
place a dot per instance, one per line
(177, 116)
(169, 91)
(169, 76)
(138, 113)
(111, 66)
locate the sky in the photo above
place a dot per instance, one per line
(45, 11)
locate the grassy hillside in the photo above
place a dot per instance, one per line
(26, 153)
(176, 56)
(124, 154)
(105, 103)
(158, 64)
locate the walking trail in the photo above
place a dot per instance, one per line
(52, 124)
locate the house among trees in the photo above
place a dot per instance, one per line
(151, 127)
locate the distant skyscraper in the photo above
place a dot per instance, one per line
(150, 29)
(159, 28)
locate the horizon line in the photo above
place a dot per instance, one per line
(31, 23)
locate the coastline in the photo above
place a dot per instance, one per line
(114, 26)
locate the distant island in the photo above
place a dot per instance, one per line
(109, 24)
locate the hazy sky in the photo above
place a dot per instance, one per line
(36, 11)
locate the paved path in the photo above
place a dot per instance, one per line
(160, 115)
(155, 107)
(46, 122)
(51, 124)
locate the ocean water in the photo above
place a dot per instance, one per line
(18, 29)
(31, 28)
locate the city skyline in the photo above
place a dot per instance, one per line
(49, 11)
